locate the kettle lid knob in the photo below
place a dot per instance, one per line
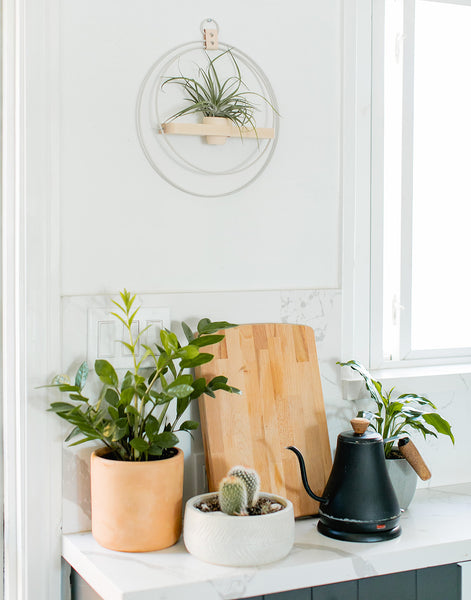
(360, 425)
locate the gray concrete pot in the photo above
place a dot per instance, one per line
(403, 478)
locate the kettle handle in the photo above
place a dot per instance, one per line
(304, 476)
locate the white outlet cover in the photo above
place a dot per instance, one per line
(105, 332)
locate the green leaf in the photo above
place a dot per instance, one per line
(127, 396)
(75, 431)
(121, 430)
(131, 349)
(78, 397)
(88, 438)
(152, 427)
(201, 359)
(81, 375)
(206, 326)
(111, 397)
(183, 380)
(179, 391)
(203, 324)
(128, 381)
(419, 399)
(169, 341)
(113, 412)
(167, 439)
(220, 383)
(160, 397)
(439, 424)
(394, 408)
(187, 352)
(187, 331)
(61, 407)
(188, 425)
(163, 360)
(182, 405)
(155, 449)
(140, 445)
(199, 386)
(69, 388)
(106, 372)
(131, 410)
(207, 340)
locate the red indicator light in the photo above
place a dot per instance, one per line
(381, 526)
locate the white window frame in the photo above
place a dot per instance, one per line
(32, 443)
(363, 200)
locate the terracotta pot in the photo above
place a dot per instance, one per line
(216, 140)
(136, 506)
(403, 479)
(238, 541)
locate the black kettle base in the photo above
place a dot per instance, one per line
(349, 536)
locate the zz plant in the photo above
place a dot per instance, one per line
(396, 417)
(130, 416)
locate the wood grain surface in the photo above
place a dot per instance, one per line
(275, 366)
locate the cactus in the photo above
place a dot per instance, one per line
(233, 496)
(251, 479)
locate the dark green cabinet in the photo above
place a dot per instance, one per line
(434, 583)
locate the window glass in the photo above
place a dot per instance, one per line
(441, 225)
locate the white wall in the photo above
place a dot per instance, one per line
(122, 225)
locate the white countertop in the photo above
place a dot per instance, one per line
(436, 529)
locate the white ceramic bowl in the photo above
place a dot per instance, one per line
(238, 541)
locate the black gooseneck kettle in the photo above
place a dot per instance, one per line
(359, 503)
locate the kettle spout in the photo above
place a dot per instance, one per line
(304, 476)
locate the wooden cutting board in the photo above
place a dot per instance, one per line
(275, 366)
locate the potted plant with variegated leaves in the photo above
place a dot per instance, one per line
(137, 474)
(397, 418)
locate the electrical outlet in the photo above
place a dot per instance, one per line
(105, 333)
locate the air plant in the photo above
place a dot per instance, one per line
(213, 98)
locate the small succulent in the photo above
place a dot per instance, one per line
(251, 480)
(233, 496)
(239, 490)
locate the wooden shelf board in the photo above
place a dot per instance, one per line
(204, 129)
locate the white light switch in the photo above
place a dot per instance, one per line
(105, 341)
(105, 333)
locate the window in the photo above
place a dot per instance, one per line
(420, 182)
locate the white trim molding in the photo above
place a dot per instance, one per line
(30, 299)
(356, 181)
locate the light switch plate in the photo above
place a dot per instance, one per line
(105, 333)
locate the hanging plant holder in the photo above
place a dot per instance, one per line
(178, 130)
